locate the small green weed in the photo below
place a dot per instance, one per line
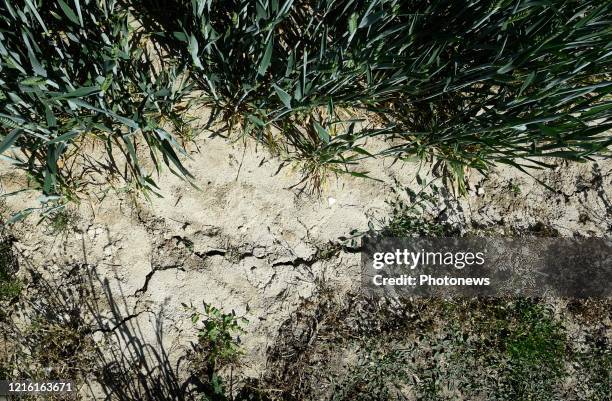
(410, 212)
(61, 222)
(218, 346)
(407, 215)
(515, 188)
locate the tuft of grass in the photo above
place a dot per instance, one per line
(61, 222)
(78, 75)
(467, 84)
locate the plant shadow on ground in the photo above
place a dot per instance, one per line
(141, 368)
(79, 326)
(64, 333)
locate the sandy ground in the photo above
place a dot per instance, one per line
(247, 241)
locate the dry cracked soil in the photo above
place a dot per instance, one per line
(248, 241)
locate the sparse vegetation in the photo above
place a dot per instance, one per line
(10, 286)
(47, 333)
(497, 349)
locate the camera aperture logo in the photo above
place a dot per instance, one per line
(414, 268)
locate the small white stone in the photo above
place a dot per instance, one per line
(331, 201)
(109, 250)
(480, 191)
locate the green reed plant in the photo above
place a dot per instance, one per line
(514, 81)
(468, 83)
(261, 68)
(73, 73)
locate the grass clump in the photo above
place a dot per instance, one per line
(61, 222)
(78, 75)
(467, 84)
(470, 84)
